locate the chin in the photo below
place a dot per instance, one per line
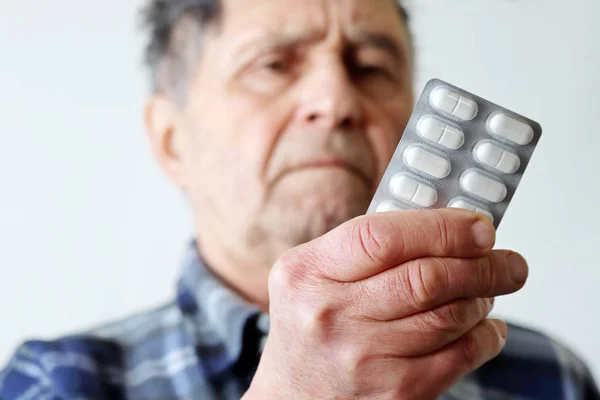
(308, 206)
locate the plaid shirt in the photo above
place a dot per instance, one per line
(204, 346)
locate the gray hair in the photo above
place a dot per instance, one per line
(175, 28)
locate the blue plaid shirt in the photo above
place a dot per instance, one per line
(204, 346)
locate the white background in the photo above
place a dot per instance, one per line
(91, 231)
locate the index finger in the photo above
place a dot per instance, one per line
(371, 244)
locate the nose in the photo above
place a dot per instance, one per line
(328, 99)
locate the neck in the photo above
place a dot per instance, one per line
(240, 271)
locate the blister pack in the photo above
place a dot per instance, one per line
(458, 150)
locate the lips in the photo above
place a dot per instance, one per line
(330, 163)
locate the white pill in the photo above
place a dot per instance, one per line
(437, 131)
(479, 184)
(459, 202)
(493, 156)
(427, 162)
(389, 206)
(415, 192)
(510, 129)
(453, 103)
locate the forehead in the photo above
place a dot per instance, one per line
(351, 17)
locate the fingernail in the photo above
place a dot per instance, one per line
(484, 234)
(518, 268)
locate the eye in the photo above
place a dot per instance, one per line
(277, 65)
(367, 70)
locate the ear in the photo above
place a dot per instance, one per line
(167, 137)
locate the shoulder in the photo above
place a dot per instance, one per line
(92, 364)
(535, 365)
(62, 367)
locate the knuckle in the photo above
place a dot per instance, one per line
(374, 236)
(285, 273)
(277, 277)
(486, 307)
(317, 322)
(417, 289)
(445, 233)
(357, 362)
(449, 318)
(354, 360)
(488, 275)
(457, 315)
(289, 258)
(469, 351)
(427, 281)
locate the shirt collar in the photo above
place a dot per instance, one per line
(216, 314)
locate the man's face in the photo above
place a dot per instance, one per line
(291, 118)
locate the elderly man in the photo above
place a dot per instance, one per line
(277, 118)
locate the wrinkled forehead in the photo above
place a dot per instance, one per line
(243, 19)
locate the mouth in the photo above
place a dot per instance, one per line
(332, 163)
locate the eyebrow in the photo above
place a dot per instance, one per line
(270, 41)
(379, 41)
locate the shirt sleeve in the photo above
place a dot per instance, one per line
(578, 380)
(67, 368)
(24, 377)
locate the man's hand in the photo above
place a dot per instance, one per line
(389, 305)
